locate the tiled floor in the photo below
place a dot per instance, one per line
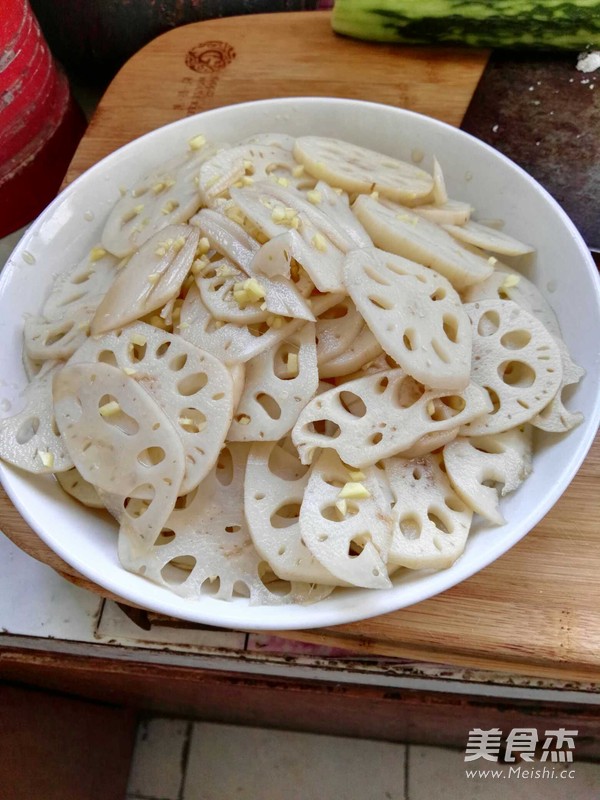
(181, 760)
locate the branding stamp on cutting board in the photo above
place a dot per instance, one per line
(208, 57)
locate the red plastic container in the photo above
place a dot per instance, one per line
(40, 124)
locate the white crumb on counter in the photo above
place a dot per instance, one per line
(588, 62)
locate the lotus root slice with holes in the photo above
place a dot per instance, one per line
(168, 196)
(279, 383)
(357, 169)
(556, 417)
(502, 458)
(30, 440)
(121, 442)
(205, 546)
(273, 493)
(380, 415)
(400, 230)
(415, 314)
(192, 387)
(76, 485)
(516, 360)
(83, 286)
(151, 278)
(352, 543)
(487, 238)
(507, 284)
(431, 522)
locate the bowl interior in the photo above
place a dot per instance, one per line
(562, 268)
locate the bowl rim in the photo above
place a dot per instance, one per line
(231, 614)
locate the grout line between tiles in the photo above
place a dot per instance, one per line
(185, 754)
(406, 770)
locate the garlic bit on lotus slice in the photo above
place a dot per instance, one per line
(192, 387)
(123, 443)
(312, 247)
(346, 524)
(431, 522)
(245, 165)
(381, 415)
(149, 280)
(415, 314)
(481, 468)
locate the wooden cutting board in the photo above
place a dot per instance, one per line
(535, 611)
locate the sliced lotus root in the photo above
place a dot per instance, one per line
(227, 237)
(308, 245)
(363, 351)
(76, 485)
(508, 284)
(122, 442)
(279, 383)
(273, 493)
(192, 387)
(440, 194)
(151, 277)
(516, 360)
(399, 230)
(431, 522)
(282, 140)
(555, 417)
(336, 329)
(168, 196)
(255, 162)
(30, 439)
(237, 373)
(379, 363)
(281, 295)
(83, 286)
(232, 343)
(381, 415)
(216, 287)
(476, 466)
(487, 238)
(57, 340)
(207, 534)
(314, 212)
(336, 206)
(351, 540)
(429, 443)
(415, 314)
(357, 169)
(452, 212)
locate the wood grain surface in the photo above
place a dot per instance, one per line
(535, 610)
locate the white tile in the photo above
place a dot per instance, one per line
(157, 765)
(51, 606)
(439, 772)
(227, 761)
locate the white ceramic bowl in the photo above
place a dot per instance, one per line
(562, 268)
